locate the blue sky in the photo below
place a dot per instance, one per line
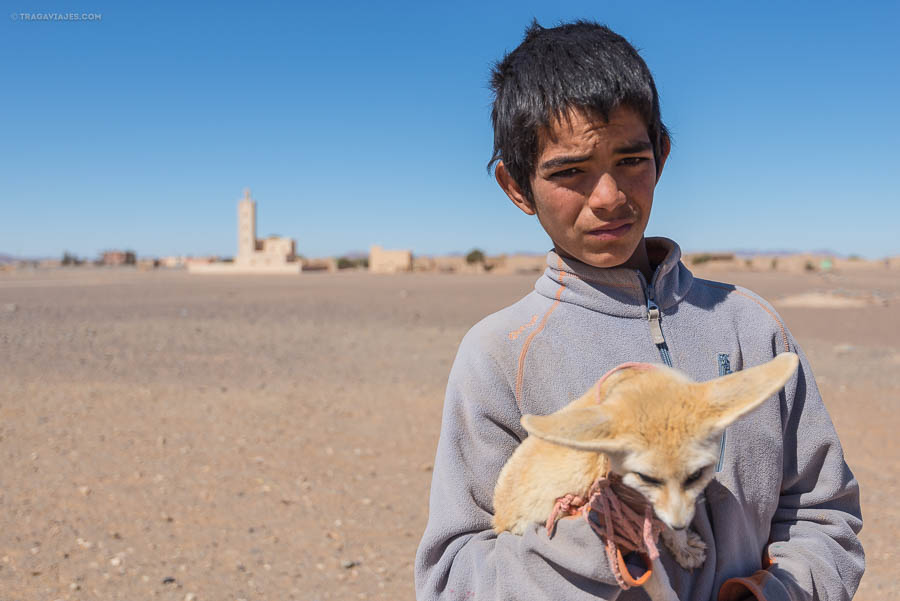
(364, 123)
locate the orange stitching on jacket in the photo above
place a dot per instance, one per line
(524, 351)
(516, 333)
(784, 338)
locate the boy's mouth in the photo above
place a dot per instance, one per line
(612, 230)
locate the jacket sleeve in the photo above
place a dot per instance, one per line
(813, 549)
(460, 557)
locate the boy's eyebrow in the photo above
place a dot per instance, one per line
(563, 160)
(634, 147)
(631, 147)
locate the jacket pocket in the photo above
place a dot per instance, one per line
(724, 361)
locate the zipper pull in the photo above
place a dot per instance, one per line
(653, 318)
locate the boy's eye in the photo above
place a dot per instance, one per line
(648, 479)
(694, 477)
(631, 161)
(565, 173)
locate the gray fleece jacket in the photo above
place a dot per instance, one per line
(781, 516)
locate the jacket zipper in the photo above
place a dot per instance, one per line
(654, 320)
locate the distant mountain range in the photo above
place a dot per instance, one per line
(745, 253)
(5, 258)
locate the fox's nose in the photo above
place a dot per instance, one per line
(680, 520)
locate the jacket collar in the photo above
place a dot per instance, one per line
(618, 290)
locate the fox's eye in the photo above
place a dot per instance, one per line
(694, 477)
(648, 479)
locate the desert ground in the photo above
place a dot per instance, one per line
(178, 437)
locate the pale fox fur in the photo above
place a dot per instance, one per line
(652, 426)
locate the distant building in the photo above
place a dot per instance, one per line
(501, 264)
(271, 251)
(389, 261)
(117, 257)
(172, 262)
(517, 264)
(270, 255)
(441, 264)
(148, 264)
(324, 264)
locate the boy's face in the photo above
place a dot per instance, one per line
(593, 187)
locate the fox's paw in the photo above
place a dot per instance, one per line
(687, 548)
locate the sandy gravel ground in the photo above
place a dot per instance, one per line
(177, 437)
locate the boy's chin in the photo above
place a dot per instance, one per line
(604, 260)
(629, 253)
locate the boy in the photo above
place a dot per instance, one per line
(578, 142)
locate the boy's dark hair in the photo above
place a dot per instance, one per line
(582, 65)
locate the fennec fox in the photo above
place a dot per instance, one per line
(650, 425)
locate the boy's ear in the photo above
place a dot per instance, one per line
(512, 189)
(665, 147)
(737, 394)
(585, 429)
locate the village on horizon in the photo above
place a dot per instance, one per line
(278, 255)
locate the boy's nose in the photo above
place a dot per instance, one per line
(606, 194)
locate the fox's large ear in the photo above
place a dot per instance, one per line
(737, 394)
(619, 375)
(585, 429)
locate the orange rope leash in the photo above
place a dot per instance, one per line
(621, 526)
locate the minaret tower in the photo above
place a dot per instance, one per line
(246, 228)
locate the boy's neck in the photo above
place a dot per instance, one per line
(639, 260)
